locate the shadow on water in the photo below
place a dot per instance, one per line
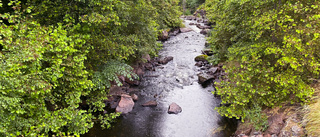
(174, 82)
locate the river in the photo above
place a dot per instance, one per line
(176, 82)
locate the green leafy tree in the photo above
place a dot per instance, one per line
(270, 49)
(56, 55)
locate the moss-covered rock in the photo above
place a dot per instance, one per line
(201, 58)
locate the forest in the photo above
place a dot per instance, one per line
(58, 54)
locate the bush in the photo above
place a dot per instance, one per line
(270, 49)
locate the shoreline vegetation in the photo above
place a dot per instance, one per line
(271, 56)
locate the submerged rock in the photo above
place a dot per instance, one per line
(174, 109)
(125, 105)
(150, 104)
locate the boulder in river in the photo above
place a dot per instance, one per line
(174, 109)
(165, 60)
(203, 77)
(125, 105)
(150, 104)
(202, 58)
(184, 30)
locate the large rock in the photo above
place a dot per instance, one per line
(174, 109)
(202, 58)
(150, 104)
(184, 30)
(125, 105)
(213, 70)
(203, 77)
(165, 60)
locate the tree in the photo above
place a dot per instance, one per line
(56, 55)
(270, 51)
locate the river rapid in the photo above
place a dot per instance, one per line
(176, 82)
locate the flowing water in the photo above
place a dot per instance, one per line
(176, 82)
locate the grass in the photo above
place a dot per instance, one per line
(312, 117)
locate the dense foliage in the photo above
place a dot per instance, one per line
(190, 6)
(55, 55)
(270, 49)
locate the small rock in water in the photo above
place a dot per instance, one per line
(150, 104)
(134, 97)
(174, 109)
(166, 60)
(186, 37)
(125, 105)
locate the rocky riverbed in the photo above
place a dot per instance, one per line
(168, 100)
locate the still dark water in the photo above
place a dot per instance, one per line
(174, 82)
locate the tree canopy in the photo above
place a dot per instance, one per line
(270, 49)
(57, 54)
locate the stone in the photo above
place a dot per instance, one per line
(132, 82)
(204, 31)
(191, 23)
(213, 70)
(202, 58)
(150, 104)
(164, 36)
(174, 109)
(203, 77)
(125, 105)
(165, 60)
(134, 97)
(174, 33)
(148, 66)
(275, 124)
(199, 64)
(184, 30)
